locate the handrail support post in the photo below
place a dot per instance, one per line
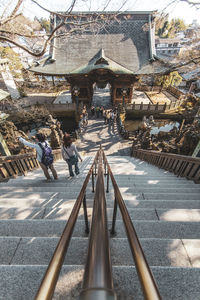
(87, 230)
(107, 187)
(95, 169)
(92, 180)
(105, 168)
(112, 231)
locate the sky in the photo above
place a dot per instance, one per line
(176, 10)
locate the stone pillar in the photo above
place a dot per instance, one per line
(4, 151)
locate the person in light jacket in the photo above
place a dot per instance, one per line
(70, 152)
(40, 138)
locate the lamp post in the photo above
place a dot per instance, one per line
(124, 93)
(76, 92)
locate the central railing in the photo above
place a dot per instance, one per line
(97, 280)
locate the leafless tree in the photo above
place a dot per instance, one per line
(12, 27)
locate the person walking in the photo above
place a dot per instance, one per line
(108, 117)
(97, 111)
(101, 110)
(70, 155)
(41, 145)
(92, 110)
(104, 116)
(85, 119)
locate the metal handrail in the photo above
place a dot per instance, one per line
(149, 286)
(48, 284)
(97, 281)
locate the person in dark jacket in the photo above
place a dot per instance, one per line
(40, 138)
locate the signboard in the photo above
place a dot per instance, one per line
(196, 152)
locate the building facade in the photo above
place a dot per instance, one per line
(116, 50)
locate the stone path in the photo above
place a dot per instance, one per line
(98, 133)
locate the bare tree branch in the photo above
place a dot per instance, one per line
(9, 19)
(72, 6)
(2, 31)
(3, 38)
(45, 44)
(192, 3)
(189, 2)
(53, 12)
(16, 8)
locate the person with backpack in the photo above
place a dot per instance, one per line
(70, 155)
(44, 154)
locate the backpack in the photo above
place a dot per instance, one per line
(47, 155)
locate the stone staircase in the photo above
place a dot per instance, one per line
(165, 211)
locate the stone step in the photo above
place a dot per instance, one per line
(156, 189)
(166, 177)
(157, 184)
(75, 184)
(175, 283)
(130, 190)
(122, 182)
(165, 204)
(39, 250)
(144, 229)
(63, 213)
(127, 194)
(124, 189)
(35, 202)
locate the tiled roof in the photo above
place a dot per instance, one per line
(100, 61)
(125, 43)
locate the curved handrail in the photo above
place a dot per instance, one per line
(46, 289)
(98, 282)
(149, 287)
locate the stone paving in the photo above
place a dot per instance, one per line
(98, 133)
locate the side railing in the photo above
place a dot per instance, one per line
(17, 165)
(148, 284)
(181, 165)
(48, 284)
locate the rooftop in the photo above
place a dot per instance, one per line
(128, 45)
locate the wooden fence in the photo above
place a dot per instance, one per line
(181, 165)
(154, 108)
(17, 165)
(175, 92)
(60, 107)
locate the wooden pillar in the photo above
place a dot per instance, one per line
(113, 96)
(131, 94)
(3, 147)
